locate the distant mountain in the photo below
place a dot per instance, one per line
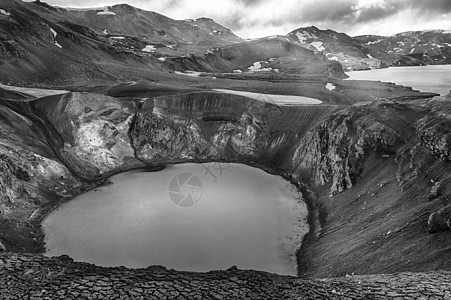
(428, 46)
(132, 26)
(337, 46)
(272, 54)
(63, 46)
(45, 45)
(352, 53)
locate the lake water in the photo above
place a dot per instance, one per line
(436, 79)
(195, 217)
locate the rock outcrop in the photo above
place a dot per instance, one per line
(440, 220)
(92, 130)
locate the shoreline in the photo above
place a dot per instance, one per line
(294, 241)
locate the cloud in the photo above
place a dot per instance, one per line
(255, 18)
(377, 12)
(329, 10)
(251, 3)
(443, 6)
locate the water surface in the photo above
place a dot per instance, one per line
(227, 214)
(435, 79)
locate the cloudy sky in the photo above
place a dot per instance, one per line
(256, 18)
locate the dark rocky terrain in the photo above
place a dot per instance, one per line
(372, 160)
(60, 278)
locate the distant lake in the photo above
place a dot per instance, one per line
(194, 217)
(436, 79)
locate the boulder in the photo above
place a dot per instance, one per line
(440, 220)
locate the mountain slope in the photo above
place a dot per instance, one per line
(352, 53)
(128, 22)
(339, 47)
(428, 46)
(45, 45)
(262, 55)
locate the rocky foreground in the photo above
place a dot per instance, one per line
(37, 277)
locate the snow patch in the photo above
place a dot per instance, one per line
(162, 58)
(4, 12)
(303, 36)
(149, 48)
(211, 51)
(330, 86)
(318, 46)
(33, 91)
(237, 71)
(117, 37)
(333, 58)
(369, 56)
(53, 32)
(189, 73)
(280, 100)
(54, 38)
(413, 49)
(84, 8)
(105, 32)
(375, 42)
(257, 67)
(106, 12)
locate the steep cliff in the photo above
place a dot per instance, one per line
(373, 172)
